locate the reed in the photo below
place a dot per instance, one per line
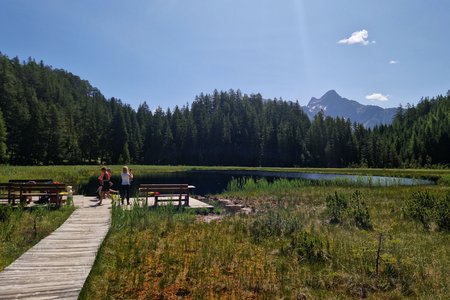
(250, 185)
(289, 249)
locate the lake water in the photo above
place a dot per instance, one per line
(214, 182)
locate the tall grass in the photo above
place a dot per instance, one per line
(444, 180)
(21, 229)
(288, 250)
(248, 184)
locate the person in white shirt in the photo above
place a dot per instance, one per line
(125, 186)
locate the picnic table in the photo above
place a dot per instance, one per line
(25, 190)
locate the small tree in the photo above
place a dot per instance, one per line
(336, 205)
(420, 207)
(3, 133)
(359, 212)
(442, 212)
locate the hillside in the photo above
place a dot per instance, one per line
(50, 116)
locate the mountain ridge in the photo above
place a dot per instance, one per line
(334, 105)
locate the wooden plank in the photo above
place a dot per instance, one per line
(25, 191)
(180, 192)
(193, 203)
(153, 185)
(57, 267)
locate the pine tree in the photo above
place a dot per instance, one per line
(118, 139)
(3, 139)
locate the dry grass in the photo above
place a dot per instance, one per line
(287, 250)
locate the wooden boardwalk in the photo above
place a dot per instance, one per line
(57, 267)
(193, 203)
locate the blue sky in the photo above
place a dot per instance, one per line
(166, 52)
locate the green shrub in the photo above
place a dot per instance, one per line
(276, 223)
(428, 209)
(442, 212)
(420, 207)
(5, 212)
(444, 180)
(340, 209)
(336, 205)
(359, 212)
(308, 246)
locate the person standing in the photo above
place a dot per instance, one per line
(125, 187)
(103, 179)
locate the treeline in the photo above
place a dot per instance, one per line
(50, 116)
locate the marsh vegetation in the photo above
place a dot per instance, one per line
(303, 240)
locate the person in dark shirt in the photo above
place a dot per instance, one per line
(104, 181)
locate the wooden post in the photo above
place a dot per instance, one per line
(378, 253)
(10, 194)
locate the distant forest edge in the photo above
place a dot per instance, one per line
(50, 116)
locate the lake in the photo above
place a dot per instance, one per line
(216, 181)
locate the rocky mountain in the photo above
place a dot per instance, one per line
(334, 105)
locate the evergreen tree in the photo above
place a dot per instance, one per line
(3, 135)
(118, 141)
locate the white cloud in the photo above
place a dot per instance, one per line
(377, 97)
(357, 37)
(393, 62)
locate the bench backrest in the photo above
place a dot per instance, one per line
(12, 191)
(4, 190)
(165, 188)
(28, 180)
(38, 187)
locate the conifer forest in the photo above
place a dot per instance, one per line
(49, 116)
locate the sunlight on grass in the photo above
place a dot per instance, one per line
(21, 229)
(289, 249)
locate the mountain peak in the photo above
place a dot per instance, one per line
(330, 94)
(332, 104)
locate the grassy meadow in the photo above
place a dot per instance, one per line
(290, 247)
(302, 240)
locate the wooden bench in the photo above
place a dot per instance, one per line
(31, 180)
(165, 193)
(25, 191)
(4, 193)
